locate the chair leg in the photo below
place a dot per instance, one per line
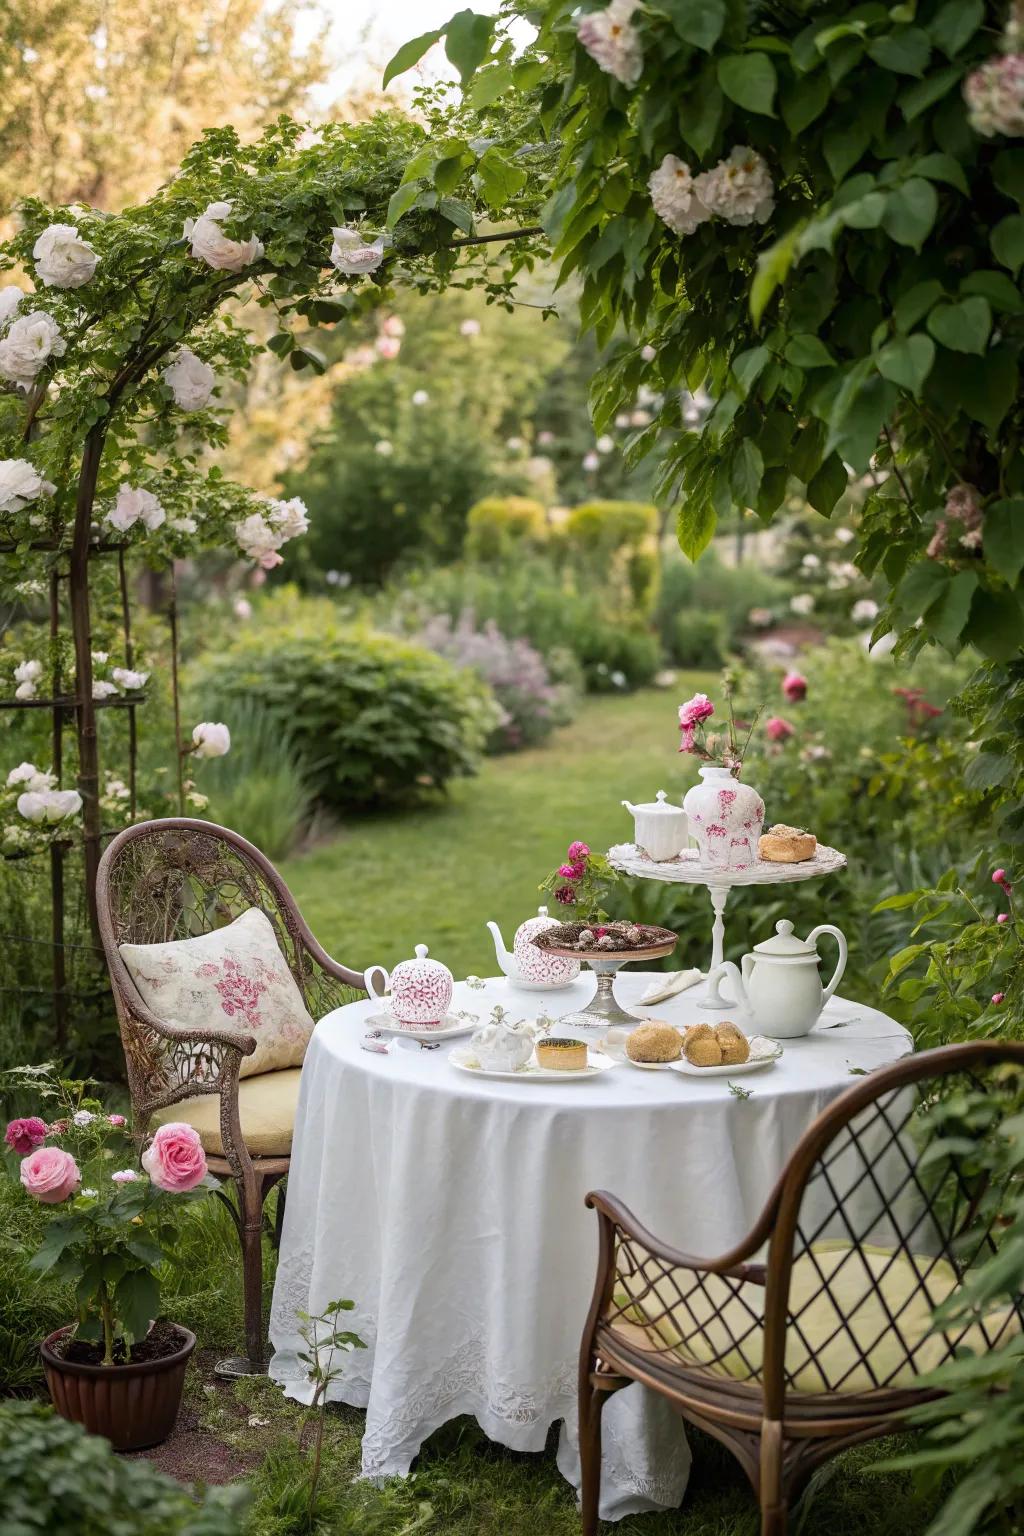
(773, 1491)
(282, 1190)
(591, 1402)
(250, 1194)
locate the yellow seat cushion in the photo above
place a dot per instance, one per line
(832, 1328)
(266, 1108)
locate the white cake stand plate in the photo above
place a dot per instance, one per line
(687, 869)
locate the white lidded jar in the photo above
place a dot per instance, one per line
(726, 818)
(661, 829)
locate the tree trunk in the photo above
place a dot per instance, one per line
(81, 629)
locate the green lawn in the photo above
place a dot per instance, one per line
(437, 874)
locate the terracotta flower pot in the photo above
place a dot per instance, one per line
(132, 1406)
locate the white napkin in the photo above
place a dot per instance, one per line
(387, 1045)
(668, 986)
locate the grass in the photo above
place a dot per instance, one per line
(437, 874)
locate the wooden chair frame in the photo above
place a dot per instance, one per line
(175, 879)
(778, 1434)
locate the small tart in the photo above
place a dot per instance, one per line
(654, 1041)
(562, 1055)
(787, 845)
(701, 1047)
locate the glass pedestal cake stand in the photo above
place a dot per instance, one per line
(603, 1009)
(686, 869)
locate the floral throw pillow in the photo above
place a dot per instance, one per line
(234, 977)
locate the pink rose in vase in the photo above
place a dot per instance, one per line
(50, 1175)
(24, 1136)
(174, 1159)
(695, 711)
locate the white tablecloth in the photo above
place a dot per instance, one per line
(450, 1209)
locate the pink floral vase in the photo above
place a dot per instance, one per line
(725, 819)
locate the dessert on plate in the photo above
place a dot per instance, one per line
(601, 939)
(733, 1042)
(787, 845)
(562, 1055)
(716, 1045)
(654, 1041)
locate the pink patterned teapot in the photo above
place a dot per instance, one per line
(529, 967)
(419, 991)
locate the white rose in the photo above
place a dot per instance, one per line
(211, 739)
(25, 691)
(83, 1117)
(612, 41)
(63, 259)
(210, 244)
(674, 196)
(189, 379)
(103, 690)
(290, 518)
(27, 346)
(28, 672)
(257, 539)
(351, 254)
(100, 657)
(127, 680)
(49, 805)
(23, 774)
(10, 298)
(133, 504)
(739, 189)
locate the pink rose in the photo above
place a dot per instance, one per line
(794, 686)
(568, 871)
(695, 710)
(175, 1159)
(125, 1176)
(999, 877)
(566, 895)
(777, 729)
(271, 558)
(50, 1175)
(578, 851)
(24, 1135)
(997, 998)
(686, 739)
(1004, 917)
(116, 1120)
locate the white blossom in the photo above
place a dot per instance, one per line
(802, 603)
(183, 524)
(133, 504)
(16, 837)
(811, 562)
(32, 777)
(514, 444)
(25, 691)
(393, 325)
(845, 535)
(261, 542)
(622, 420)
(639, 418)
(612, 41)
(211, 244)
(648, 353)
(388, 347)
(63, 259)
(995, 96)
(28, 672)
(674, 196)
(82, 1118)
(27, 346)
(102, 689)
(605, 444)
(127, 680)
(189, 379)
(211, 739)
(739, 189)
(545, 439)
(198, 801)
(290, 518)
(591, 461)
(352, 255)
(242, 608)
(10, 297)
(125, 1176)
(49, 805)
(101, 657)
(420, 397)
(864, 611)
(469, 328)
(384, 447)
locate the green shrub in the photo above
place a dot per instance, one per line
(699, 639)
(55, 1477)
(615, 543)
(498, 526)
(260, 788)
(711, 586)
(374, 719)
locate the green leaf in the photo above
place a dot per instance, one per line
(500, 180)
(282, 343)
(964, 326)
(409, 54)
(772, 268)
(1004, 538)
(1000, 290)
(947, 617)
(695, 526)
(905, 51)
(748, 366)
(913, 305)
(1007, 240)
(401, 201)
(955, 24)
(467, 42)
(923, 94)
(828, 485)
(856, 435)
(842, 144)
(986, 770)
(489, 85)
(910, 212)
(137, 1302)
(1008, 173)
(749, 80)
(922, 586)
(803, 103)
(700, 110)
(806, 351)
(996, 625)
(457, 213)
(907, 361)
(698, 22)
(745, 471)
(986, 387)
(939, 167)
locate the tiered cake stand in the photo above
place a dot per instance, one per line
(686, 869)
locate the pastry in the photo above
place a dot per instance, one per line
(733, 1042)
(654, 1041)
(787, 845)
(562, 1055)
(701, 1047)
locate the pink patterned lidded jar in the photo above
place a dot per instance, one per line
(725, 819)
(421, 991)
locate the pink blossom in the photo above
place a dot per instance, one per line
(125, 1176)
(116, 1120)
(695, 710)
(568, 871)
(997, 998)
(388, 347)
(566, 895)
(1004, 917)
(25, 1135)
(794, 686)
(999, 877)
(56, 1128)
(686, 739)
(50, 1175)
(270, 558)
(579, 869)
(578, 851)
(777, 729)
(175, 1159)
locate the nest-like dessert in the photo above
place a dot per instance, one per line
(603, 938)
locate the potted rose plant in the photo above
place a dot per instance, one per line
(118, 1369)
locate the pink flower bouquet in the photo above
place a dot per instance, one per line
(719, 747)
(111, 1223)
(581, 883)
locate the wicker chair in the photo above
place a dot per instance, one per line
(807, 1338)
(174, 879)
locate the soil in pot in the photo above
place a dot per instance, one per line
(134, 1403)
(163, 1340)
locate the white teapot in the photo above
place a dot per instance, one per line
(419, 991)
(529, 967)
(661, 829)
(778, 985)
(505, 1044)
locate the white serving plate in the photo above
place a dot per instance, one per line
(597, 1063)
(763, 1053)
(452, 1025)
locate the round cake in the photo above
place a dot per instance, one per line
(787, 845)
(562, 1055)
(654, 1041)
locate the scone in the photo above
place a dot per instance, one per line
(787, 845)
(701, 1047)
(734, 1043)
(654, 1041)
(562, 1055)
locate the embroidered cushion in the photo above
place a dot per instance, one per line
(235, 976)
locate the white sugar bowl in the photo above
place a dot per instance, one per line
(661, 829)
(505, 1044)
(420, 990)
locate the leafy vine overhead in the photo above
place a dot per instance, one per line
(815, 212)
(113, 370)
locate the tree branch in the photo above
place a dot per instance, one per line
(506, 234)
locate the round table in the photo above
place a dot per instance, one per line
(449, 1208)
